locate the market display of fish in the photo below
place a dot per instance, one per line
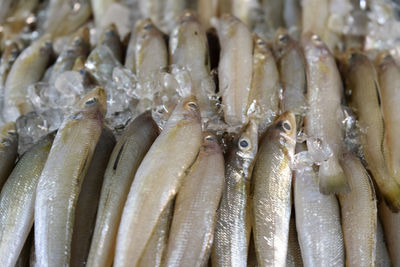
(199, 133)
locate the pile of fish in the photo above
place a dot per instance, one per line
(199, 133)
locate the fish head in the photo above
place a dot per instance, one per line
(95, 99)
(282, 42)
(384, 59)
(46, 44)
(284, 128)
(247, 143)
(82, 37)
(314, 48)
(188, 16)
(109, 33)
(186, 110)
(210, 143)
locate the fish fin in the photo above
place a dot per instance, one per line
(332, 178)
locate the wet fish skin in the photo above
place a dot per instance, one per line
(61, 180)
(293, 258)
(17, 200)
(86, 207)
(64, 17)
(147, 51)
(78, 46)
(110, 38)
(361, 79)
(126, 157)
(157, 180)
(323, 122)
(154, 253)
(359, 214)
(188, 48)
(263, 104)
(235, 68)
(8, 58)
(389, 80)
(317, 222)
(8, 150)
(27, 69)
(99, 8)
(192, 227)
(207, 9)
(315, 16)
(382, 255)
(292, 70)
(272, 187)
(233, 225)
(390, 223)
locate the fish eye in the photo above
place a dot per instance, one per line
(192, 105)
(283, 38)
(91, 101)
(209, 138)
(260, 42)
(147, 26)
(244, 144)
(286, 126)
(316, 39)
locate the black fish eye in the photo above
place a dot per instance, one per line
(243, 144)
(192, 105)
(286, 126)
(209, 138)
(283, 37)
(91, 101)
(147, 26)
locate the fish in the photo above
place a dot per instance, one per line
(315, 16)
(359, 214)
(272, 179)
(147, 52)
(8, 58)
(99, 8)
(16, 9)
(86, 207)
(27, 69)
(8, 150)
(62, 177)
(293, 257)
(154, 253)
(235, 68)
(389, 80)
(164, 13)
(293, 77)
(65, 17)
(323, 121)
(263, 103)
(188, 48)
(317, 221)
(78, 46)
(390, 222)
(207, 9)
(110, 38)
(292, 16)
(125, 159)
(17, 201)
(382, 255)
(362, 82)
(233, 225)
(192, 227)
(158, 180)
(23, 258)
